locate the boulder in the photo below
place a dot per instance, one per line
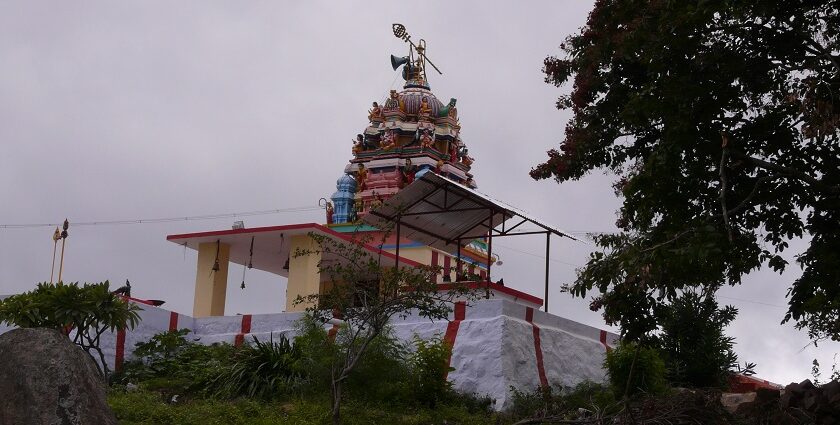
(47, 380)
(731, 401)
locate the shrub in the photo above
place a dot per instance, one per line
(169, 363)
(262, 370)
(587, 396)
(84, 312)
(634, 369)
(383, 374)
(430, 366)
(693, 344)
(316, 351)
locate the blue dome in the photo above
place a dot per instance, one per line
(343, 199)
(346, 183)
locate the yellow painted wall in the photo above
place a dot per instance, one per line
(210, 286)
(422, 255)
(304, 277)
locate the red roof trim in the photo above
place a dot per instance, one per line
(313, 226)
(499, 288)
(240, 231)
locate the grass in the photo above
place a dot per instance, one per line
(146, 408)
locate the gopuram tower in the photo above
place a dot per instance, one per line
(409, 134)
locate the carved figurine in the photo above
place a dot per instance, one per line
(453, 153)
(449, 109)
(358, 144)
(393, 101)
(389, 140)
(407, 172)
(375, 113)
(330, 211)
(439, 166)
(376, 202)
(425, 111)
(361, 177)
(358, 206)
(426, 139)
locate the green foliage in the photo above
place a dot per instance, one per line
(430, 366)
(635, 369)
(564, 402)
(383, 373)
(367, 294)
(390, 373)
(816, 373)
(317, 351)
(721, 120)
(693, 344)
(262, 370)
(88, 311)
(170, 364)
(147, 408)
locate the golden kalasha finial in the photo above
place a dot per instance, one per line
(401, 33)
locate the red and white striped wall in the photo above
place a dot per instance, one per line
(497, 343)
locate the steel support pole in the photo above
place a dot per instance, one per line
(489, 254)
(458, 263)
(547, 260)
(397, 261)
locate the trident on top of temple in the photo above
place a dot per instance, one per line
(415, 68)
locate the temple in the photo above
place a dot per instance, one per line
(409, 152)
(408, 190)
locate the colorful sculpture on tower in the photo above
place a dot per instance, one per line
(409, 133)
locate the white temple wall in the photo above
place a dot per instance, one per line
(498, 344)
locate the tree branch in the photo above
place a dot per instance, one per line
(788, 171)
(724, 156)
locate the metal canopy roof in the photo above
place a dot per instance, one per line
(271, 247)
(444, 214)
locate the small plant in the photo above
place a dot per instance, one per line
(635, 369)
(817, 374)
(262, 370)
(430, 366)
(83, 312)
(169, 363)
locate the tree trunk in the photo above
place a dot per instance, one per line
(335, 391)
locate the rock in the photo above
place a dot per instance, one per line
(831, 389)
(766, 395)
(47, 380)
(786, 399)
(731, 401)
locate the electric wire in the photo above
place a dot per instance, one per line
(165, 219)
(289, 210)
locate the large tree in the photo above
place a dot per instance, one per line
(721, 121)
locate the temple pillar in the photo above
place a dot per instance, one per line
(211, 285)
(304, 276)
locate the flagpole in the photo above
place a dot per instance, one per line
(64, 235)
(56, 236)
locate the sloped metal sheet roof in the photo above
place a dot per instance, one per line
(440, 212)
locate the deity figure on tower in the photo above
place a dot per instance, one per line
(375, 113)
(361, 177)
(389, 139)
(425, 112)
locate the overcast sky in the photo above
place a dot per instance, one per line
(127, 110)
